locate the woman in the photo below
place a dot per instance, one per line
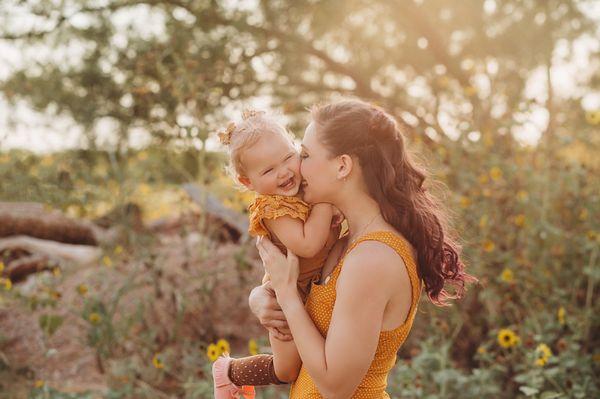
(362, 309)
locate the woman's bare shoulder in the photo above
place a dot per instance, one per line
(375, 257)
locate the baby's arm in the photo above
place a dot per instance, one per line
(304, 239)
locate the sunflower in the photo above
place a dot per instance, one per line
(223, 346)
(212, 352)
(107, 261)
(488, 246)
(519, 220)
(542, 354)
(253, 347)
(157, 362)
(6, 283)
(82, 289)
(496, 173)
(507, 275)
(507, 338)
(95, 318)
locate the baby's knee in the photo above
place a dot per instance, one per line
(287, 375)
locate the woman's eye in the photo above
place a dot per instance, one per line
(303, 156)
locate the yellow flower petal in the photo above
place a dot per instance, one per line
(95, 318)
(212, 352)
(507, 338)
(107, 261)
(496, 173)
(82, 289)
(157, 362)
(519, 220)
(561, 315)
(223, 346)
(507, 275)
(253, 347)
(6, 282)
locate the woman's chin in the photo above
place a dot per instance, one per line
(304, 194)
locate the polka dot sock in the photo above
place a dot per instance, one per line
(254, 370)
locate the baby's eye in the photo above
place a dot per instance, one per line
(303, 156)
(268, 171)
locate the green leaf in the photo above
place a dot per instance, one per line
(50, 323)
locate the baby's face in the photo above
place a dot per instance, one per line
(273, 166)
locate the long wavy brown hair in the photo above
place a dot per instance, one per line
(395, 181)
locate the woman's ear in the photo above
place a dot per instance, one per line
(246, 182)
(345, 164)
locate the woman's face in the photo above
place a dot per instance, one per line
(317, 170)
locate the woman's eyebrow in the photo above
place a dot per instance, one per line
(302, 145)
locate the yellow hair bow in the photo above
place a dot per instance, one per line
(225, 135)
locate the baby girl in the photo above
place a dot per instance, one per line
(263, 159)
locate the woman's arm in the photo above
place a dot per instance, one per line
(305, 239)
(337, 364)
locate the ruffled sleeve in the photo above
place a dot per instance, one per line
(272, 207)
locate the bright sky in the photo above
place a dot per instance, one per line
(22, 127)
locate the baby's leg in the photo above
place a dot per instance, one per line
(280, 368)
(253, 370)
(287, 362)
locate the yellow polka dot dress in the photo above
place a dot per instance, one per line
(319, 306)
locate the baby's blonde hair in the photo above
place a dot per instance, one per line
(239, 137)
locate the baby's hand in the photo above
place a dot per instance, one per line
(338, 217)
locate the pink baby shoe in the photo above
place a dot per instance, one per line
(224, 388)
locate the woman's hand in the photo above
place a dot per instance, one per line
(283, 271)
(263, 304)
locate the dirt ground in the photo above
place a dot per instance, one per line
(213, 284)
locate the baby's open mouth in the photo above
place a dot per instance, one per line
(288, 184)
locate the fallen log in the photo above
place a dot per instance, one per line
(19, 269)
(34, 220)
(51, 251)
(226, 223)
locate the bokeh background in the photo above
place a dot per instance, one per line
(124, 258)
